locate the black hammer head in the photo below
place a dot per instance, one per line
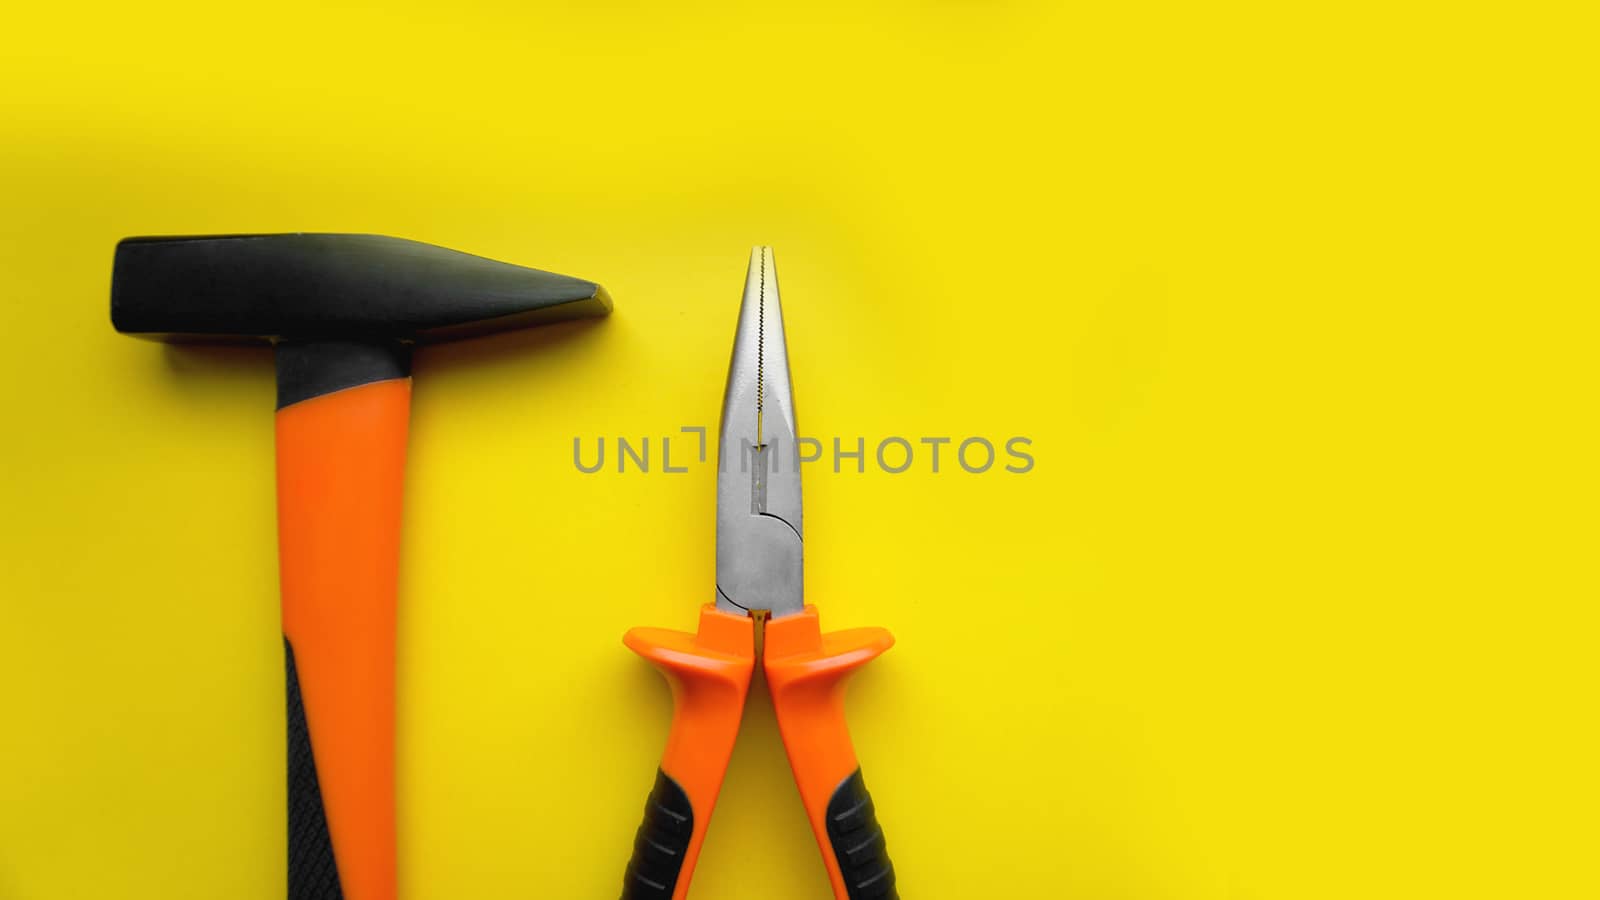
(330, 286)
(342, 309)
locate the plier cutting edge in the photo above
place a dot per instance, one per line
(759, 570)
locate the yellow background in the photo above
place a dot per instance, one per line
(1296, 304)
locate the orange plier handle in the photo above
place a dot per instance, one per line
(709, 673)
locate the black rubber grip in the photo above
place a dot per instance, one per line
(313, 874)
(660, 844)
(857, 841)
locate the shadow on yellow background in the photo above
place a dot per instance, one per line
(1296, 307)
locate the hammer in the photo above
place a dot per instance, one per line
(342, 312)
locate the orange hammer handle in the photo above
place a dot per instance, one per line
(709, 673)
(341, 458)
(806, 671)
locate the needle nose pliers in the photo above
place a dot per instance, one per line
(759, 550)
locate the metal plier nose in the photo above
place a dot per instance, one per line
(759, 532)
(760, 578)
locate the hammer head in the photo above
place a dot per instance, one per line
(330, 286)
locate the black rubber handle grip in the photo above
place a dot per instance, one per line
(661, 843)
(857, 841)
(313, 874)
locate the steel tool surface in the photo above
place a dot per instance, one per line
(343, 311)
(760, 543)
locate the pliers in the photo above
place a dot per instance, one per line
(759, 577)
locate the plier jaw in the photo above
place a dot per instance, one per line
(760, 562)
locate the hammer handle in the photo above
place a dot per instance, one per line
(341, 460)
